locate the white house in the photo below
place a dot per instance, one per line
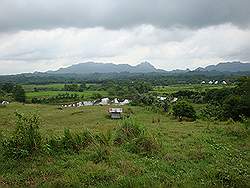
(174, 99)
(5, 102)
(88, 103)
(203, 82)
(224, 82)
(216, 82)
(115, 101)
(210, 82)
(104, 101)
(161, 98)
(126, 101)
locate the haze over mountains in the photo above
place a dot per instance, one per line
(92, 67)
(145, 67)
(235, 66)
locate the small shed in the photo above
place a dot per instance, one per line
(115, 113)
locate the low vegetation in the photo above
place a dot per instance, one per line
(191, 137)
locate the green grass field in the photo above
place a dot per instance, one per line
(87, 94)
(30, 87)
(192, 154)
(190, 87)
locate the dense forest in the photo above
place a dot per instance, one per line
(153, 78)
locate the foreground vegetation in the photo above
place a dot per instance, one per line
(149, 149)
(179, 136)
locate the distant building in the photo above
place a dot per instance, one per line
(88, 103)
(161, 98)
(210, 82)
(224, 82)
(216, 82)
(104, 101)
(174, 100)
(115, 101)
(5, 102)
(126, 101)
(203, 82)
(115, 113)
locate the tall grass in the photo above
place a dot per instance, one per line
(27, 140)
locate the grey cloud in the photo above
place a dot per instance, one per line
(165, 48)
(18, 15)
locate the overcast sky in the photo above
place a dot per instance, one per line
(40, 35)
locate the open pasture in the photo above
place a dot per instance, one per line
(51, 87)
(192, 154)
(191, 87)
(31, 87)
(43, 94)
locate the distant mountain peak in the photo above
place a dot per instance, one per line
(234, 66)
(93, 67)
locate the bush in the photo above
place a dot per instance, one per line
(233, 108)
(69, 142)
(128, 130)
(26, 139)
(133, 137)
(19, 94)
(183, 109)
(211, 111)
(144, 145)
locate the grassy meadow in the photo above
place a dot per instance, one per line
(190, 87)
(42, 94)
(191, 154)
(56, 89)
(31, 87)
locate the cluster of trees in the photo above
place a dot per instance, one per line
(64, 97)
(127, 89)
(229, 103)
(153, 78)
(12, 92)
(75, 87)
(57, 99)
(222, 104)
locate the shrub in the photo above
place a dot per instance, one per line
(143, 145)
(183, 109)
(19, 94)
(133, 137)
(233, 108)
(211, 111)
(69, 142)
(26, 139)
(128, 130)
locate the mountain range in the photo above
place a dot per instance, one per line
(145, 67)
(92, 67)
(235, 66)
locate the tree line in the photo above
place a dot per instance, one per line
(12, 92)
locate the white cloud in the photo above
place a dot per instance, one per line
(171, 48)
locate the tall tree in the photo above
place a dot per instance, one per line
(19, 94)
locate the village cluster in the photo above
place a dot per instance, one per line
(4, 102)
(101, 102)
(214, 82)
